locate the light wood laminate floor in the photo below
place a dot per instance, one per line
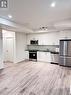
(35, 78)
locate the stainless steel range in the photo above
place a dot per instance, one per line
(33, 55)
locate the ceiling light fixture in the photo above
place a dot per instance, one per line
(10, 16)
(53, 4)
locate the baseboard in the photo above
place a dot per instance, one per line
(22, 61)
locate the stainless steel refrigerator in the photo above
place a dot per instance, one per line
(65, 52)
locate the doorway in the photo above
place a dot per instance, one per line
(8, 48)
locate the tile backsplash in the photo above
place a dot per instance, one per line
(42, 47)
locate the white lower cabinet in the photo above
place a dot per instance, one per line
(44, 56)
(27, 55)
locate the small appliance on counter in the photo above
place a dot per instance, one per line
(65, 52)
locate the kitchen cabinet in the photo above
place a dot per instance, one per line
(44, 56)
(44, 38)
(27, 55)
(31, 37)
(54, 58)
(66, 34)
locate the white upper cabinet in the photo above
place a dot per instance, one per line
(49, 38)
(44, 38)
(31, 37)
(65, 34)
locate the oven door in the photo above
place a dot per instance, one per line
(32, 55)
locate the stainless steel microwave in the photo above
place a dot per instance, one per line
(34, 42)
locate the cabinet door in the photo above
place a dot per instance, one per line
(56, 58)
(44, 56)
(48, 57)
(40, 56)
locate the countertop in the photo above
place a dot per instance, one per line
(52, 52)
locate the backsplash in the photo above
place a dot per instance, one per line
(42, 47)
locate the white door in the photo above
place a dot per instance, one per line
(9, 49)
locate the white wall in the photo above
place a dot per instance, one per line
(1, 50)
(20, 46)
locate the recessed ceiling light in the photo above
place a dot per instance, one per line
(53, 4)
(10, 16)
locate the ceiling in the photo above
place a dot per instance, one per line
(34, 14)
